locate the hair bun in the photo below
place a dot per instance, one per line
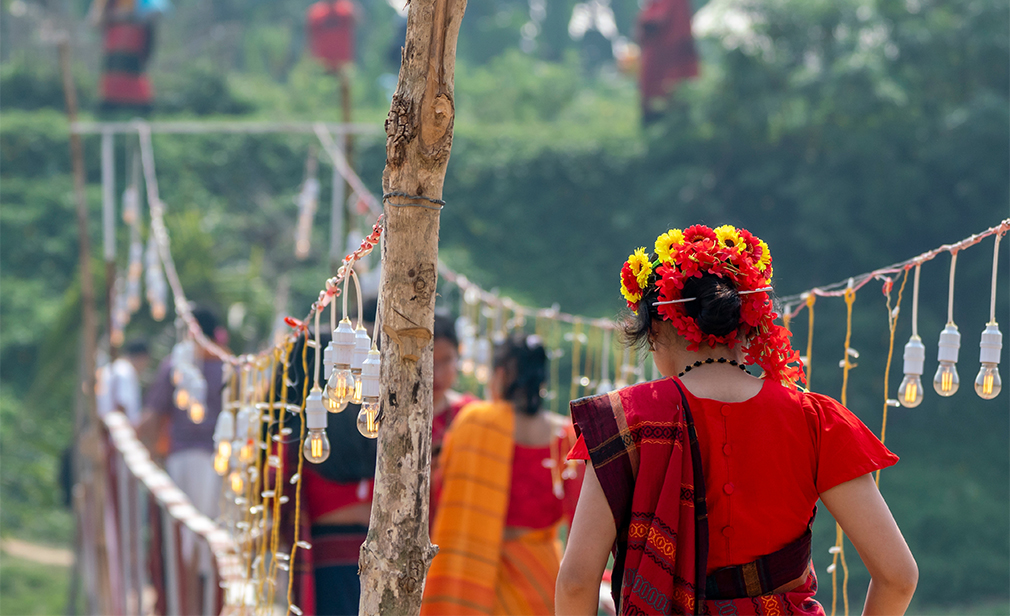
(717, 307)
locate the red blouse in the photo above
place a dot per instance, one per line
(532, 502)
(766, 460)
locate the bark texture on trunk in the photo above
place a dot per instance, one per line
(395, 557)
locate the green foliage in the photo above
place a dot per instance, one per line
(28, 83)
(201, 90)
(515, 87)
(31, 588)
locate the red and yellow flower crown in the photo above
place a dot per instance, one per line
(730, 253)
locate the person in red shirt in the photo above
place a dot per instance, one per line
(705, 482)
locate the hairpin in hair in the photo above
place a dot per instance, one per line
(691, 299)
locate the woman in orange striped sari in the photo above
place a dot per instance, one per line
(506, 489)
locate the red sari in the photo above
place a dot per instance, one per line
(653, 462)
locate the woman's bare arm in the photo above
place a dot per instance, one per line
(589, 543)
(862, 513)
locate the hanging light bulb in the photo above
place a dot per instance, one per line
(182, 356)
(362, 344)
(988, 383)
(340, 387)
(317, 445)
(946, 381)
(197, 398)
(224, 432)
(242, 442)
(910, 390)
(368, 416)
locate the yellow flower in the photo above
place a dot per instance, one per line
(641, 267)
(729, 237)
(628, 295)
(765, 259)
(666, 242)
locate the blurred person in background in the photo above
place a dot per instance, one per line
(119, 382)
(446, 402)
(336, 498)
(505, 490)
(188, 449)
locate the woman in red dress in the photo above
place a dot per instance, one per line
(704, 483)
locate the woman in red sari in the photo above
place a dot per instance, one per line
(506, 488)
(704, 483)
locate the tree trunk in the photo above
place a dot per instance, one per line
(397, 553)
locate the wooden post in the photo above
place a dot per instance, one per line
(87, 455)
(397, 553)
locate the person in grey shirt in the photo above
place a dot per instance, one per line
(189, 455)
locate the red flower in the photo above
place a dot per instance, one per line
(698, 233)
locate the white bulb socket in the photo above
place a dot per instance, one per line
(915, 356)
(950, 343)
(224, 429)
(362, 344)
(315, 410)
(242, 421)
(328, 360)
(370, 375)
(991, 345)
(343, 343)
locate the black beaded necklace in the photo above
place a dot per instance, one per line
(710, 360)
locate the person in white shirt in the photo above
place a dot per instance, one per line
(119, 382)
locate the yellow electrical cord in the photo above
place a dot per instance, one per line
(811, 299)
(279, 483)
(892, 322)
(850, 297)
(301, 461)
(265, 475)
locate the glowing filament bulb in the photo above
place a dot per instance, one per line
(946, 381)
(182, 398)
(222, 457)
(988, 383)
(247, 453)
(356, 395)
(368, 419)
(339, 389)
(236, 482)
(910, 391)
(197, 412)
(317, 446)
